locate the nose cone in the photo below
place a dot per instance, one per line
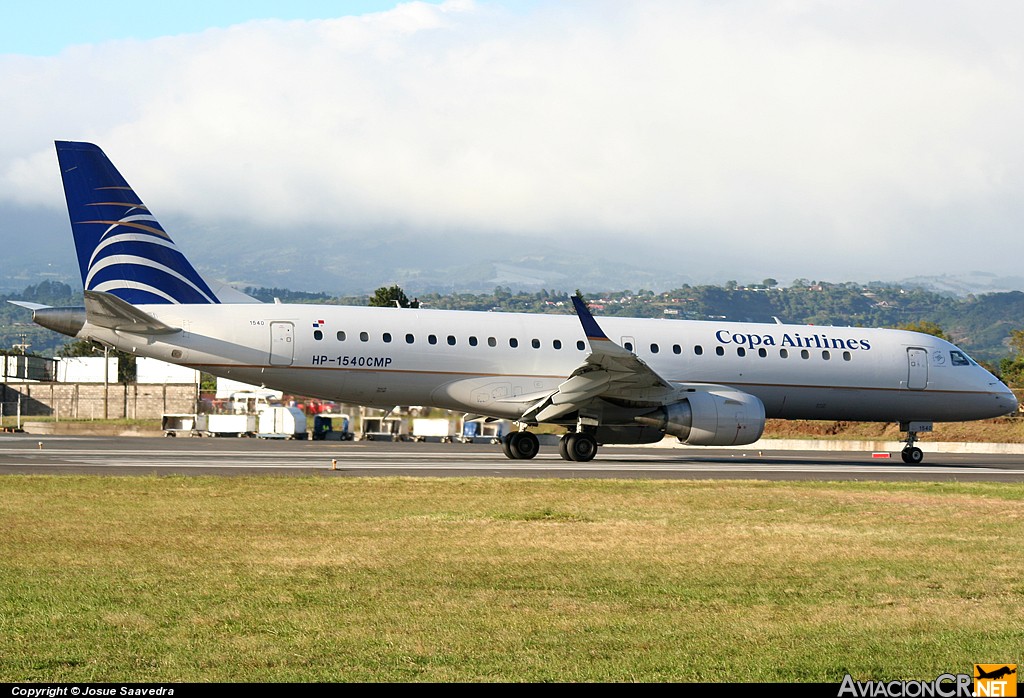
(1008, 401)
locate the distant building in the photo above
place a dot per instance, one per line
(226, 388)
(18, 368)
(153, 371)
(86, 369)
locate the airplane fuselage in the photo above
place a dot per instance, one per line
(494, 363)
(615, 380)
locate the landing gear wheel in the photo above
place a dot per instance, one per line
(521, 445)
(506, 445)
(526, 446)
(912, 455)
(580, 447)
(563, 447)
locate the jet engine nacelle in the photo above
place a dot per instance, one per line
(724, 417)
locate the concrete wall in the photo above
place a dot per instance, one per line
(91, 401)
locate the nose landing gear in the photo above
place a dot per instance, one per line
(911, 453)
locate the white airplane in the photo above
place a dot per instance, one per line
(625, 381)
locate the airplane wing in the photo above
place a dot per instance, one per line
(610, 372)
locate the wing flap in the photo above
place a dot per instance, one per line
(609, 372)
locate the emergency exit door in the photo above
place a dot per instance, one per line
(282, 343)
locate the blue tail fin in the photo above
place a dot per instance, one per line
(122, 249)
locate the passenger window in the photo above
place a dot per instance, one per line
(720, 351)
(318, 335)
(535, 343)
(580, 345)
(341, 335)
(654, 348)
(557, 343)
(847, 356)
(472, 341)
(740, 351)
(804, 354)
(409, 339)
(784, 353)
(826, 355)
(676, 349)
(629, 346)
(432, 339)
(762, 352)
(492, 342)
(387, 337)
(451, 340)
(364, 337)
(698, 350)
(513, 342)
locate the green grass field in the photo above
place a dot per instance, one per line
(262, 579)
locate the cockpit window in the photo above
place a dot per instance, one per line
(958, 359)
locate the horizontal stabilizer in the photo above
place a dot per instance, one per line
(30, 306)
(107, 310)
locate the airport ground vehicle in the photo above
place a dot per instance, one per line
(328, 426)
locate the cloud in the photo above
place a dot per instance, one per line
(851, 137)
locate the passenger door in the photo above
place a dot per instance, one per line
(917, 366)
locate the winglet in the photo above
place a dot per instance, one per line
(608, 370)
(590, 326)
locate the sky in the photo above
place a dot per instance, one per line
(734, 139)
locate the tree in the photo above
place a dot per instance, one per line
(1016, 341)
(387, 296)
(924, 327)
(1011, 369)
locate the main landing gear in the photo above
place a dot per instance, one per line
(520, 445)
(911, 453)
(579, 446)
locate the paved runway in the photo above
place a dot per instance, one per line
(33, 454)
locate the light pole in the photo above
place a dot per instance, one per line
(106, 381)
